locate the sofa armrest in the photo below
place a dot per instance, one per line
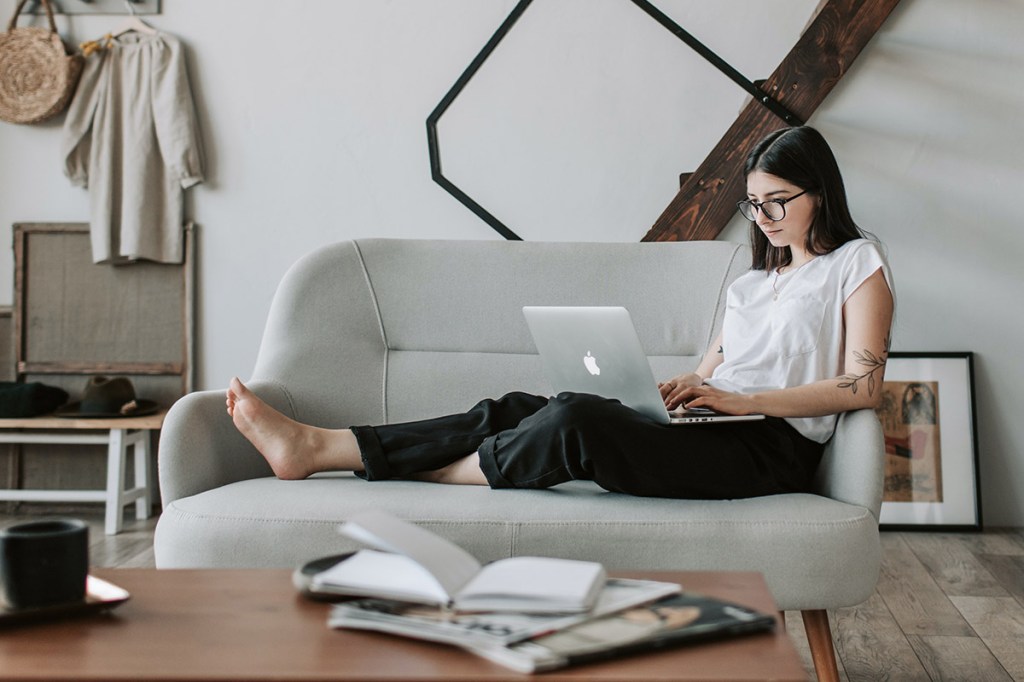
(853, 465)
(200, 448)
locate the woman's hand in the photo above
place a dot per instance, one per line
(672, 390)
(715, 399)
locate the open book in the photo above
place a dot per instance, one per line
(414, 565)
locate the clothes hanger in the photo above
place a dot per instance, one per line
(133, 23)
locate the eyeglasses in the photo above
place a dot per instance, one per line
(773, 210)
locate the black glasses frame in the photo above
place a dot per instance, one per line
(748, 209)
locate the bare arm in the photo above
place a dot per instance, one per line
(867, 318)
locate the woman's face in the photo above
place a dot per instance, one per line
(792, 230)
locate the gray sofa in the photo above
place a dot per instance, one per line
(390, 330)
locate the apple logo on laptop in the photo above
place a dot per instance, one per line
(591, 364)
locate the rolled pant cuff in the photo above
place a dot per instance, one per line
(489, 465)
(375, 464)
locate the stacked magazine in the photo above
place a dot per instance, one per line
(517, 621)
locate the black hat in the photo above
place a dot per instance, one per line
(29, 399)
(108, 397)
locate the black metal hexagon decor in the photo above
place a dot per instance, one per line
(506, 26)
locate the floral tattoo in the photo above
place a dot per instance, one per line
(873, 363)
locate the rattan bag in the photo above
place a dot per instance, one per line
(37, 76)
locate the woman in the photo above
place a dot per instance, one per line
(805, 337)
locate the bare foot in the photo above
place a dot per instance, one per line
(293, 450)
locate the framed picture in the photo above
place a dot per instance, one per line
(931, 450)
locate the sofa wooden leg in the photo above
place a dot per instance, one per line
(819, 637)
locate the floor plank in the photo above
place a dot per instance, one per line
(872, 645)
(963, 659)
(1004, 541)
(1008, 571)
(142, 559)
(915, 600)
(999, 622)
(952, 565)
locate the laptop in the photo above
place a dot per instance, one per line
(596, 350)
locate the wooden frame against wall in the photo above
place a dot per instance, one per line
(77, 306)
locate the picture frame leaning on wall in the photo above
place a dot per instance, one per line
(931, 443)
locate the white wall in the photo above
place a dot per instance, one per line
(577, 128)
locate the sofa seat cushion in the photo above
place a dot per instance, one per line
(801, 542)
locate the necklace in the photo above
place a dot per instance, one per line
(778, 272)
(775, 288)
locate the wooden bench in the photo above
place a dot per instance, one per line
(118, 435)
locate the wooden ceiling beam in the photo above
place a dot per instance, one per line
(823, 54)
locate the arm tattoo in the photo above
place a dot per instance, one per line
(720, 350)
(873, 363)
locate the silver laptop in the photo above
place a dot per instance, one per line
(596, 350)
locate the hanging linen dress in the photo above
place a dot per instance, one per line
(131, 136)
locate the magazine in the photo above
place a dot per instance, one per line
(672, 621)
(419, 566)
(494, 630)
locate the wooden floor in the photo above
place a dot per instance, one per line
(948, 606)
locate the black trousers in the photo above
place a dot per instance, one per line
(528, 441)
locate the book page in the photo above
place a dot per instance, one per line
(451, 565)
(521, 580)
(394, 576)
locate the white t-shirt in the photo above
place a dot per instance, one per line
(797, 337)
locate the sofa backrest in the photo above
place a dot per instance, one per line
(389, 330)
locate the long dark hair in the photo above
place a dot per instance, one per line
(802, 157)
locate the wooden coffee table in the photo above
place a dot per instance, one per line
(251, 625)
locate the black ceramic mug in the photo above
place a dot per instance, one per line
(43, 563)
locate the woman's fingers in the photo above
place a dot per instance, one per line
(676, 396)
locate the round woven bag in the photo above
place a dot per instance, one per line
(37, 76)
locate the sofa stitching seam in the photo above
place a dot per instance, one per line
(641, 524)
(288, 397)
(516, 525)
(721, 288)
(380, 327)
